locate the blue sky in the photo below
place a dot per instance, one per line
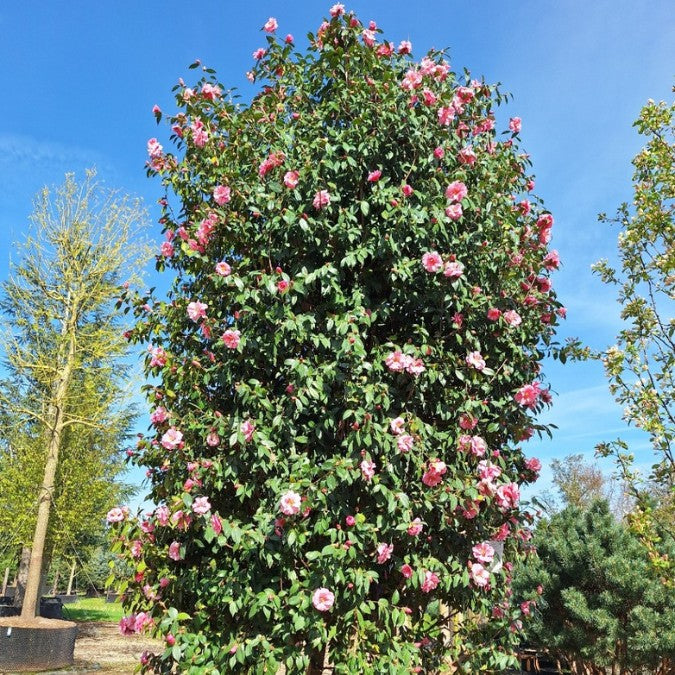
(80, 79)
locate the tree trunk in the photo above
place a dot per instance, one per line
(35, 567)
(55, 585)
(4, 581)
(318, 662)
(72, 577)
(22, 576)
(56, 422)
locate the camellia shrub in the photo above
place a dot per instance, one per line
(344, 368)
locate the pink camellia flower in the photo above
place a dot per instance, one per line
(231, 338)
(291, 179)
(159, 415)
(216, 523)
(115, 515)
(467, 156)
(488, 471)
(384, 552)
(157, 357)
(405, 47)
(367, 469)
(143, 620)
(136, 548)
(407, 190)
(247, 428)
(337, 9)
(162, 515)
(477, 446)
(405, 442)
(479, 575)
(512, 318)
(467, 422)
(321, 199)
(552, 260)
(350, 521)
(507, 496)
(453, 269)
(429, 97)
(289, 39)
(290, 502)
(434, 473)
(412, 80)
(201, 505)
(430, 582)
(199, 133)
(368, 37)
(222, 194)
(515, 124)
(407, 571)
(397, 425)
(432, 262)
(545, 221)
(172, 439)
(374, 176)
(211, 91)
(167, 249)
(415, 527)
(528, 395)
(439, 152)
(181, 520)
(493, 314)
(415, 366)
(533, 464)
(270, 25)
(483, 552)
(445, 115)
(397, 361)
(128, 624)
(475, 360)
(154, 148)
(197, 310)
(456, 191)
(259, 53)
(174, 551)
(322, 599)
(223, 269)
(454, 212)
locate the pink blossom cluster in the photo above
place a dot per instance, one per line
(272, 161)
(398, 362)
(434, 473)
(433, 263)
(404, 441)
(476, 445)
(117, 514)
(135, 623)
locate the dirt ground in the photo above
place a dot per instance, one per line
(100, 648)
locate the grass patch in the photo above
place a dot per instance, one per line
(93, 609)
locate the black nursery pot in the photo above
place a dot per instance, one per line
(37, 648)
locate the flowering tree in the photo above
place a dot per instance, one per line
(343, 370)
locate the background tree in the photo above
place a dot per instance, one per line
(88, 480)
(63, 350)
(580, 483)
(602, 605)
(346, 365)
(640, 366)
